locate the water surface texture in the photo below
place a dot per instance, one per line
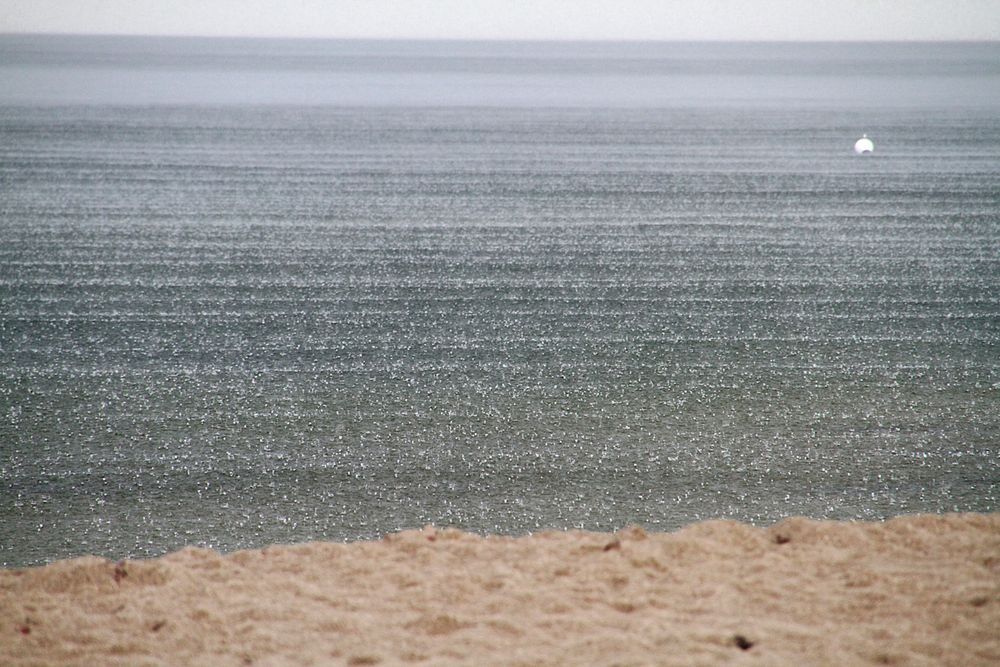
(276, 291)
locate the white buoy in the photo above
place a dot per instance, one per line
(863, 145)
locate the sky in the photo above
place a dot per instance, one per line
(517, 19)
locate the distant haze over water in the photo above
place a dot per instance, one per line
(233, 71)
(258, 291)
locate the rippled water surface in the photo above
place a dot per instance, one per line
(247, 322)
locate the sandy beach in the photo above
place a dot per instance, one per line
(915, 590)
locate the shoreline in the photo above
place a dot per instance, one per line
(915, 589)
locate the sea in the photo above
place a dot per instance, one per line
(259, 291)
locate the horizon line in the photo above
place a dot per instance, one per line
(541, 40)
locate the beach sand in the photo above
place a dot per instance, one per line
(915, 590)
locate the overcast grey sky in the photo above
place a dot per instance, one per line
(517, 19)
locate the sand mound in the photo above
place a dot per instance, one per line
(917, 590)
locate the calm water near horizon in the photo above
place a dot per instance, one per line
(258, 291)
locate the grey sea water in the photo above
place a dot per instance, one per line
(261, 291)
